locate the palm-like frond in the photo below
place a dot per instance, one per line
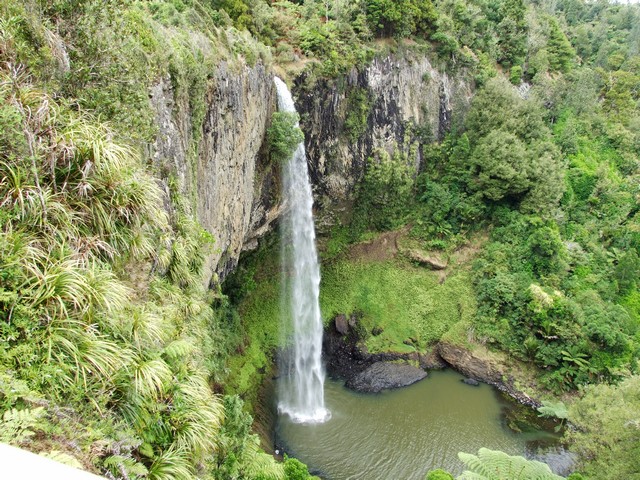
(94, 357)
(172, 464)
(141, 244)
(151, 377)
(496, 465)
(144, 328)
(17, 189)
(257, 464)
(197, 416)
(64, 285)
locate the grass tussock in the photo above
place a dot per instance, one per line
(107, 335)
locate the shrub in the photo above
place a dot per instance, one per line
(294, 469)
(358, 108)
(515, 76)
(283, 136)
(438, 474)
(385, 194)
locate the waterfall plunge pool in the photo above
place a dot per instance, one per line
(402, 434)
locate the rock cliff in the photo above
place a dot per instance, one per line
(224, 174)
(401, 102)
(397, 103)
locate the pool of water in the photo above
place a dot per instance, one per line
(404, 433)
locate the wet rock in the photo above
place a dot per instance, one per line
(342, 326)
(471, 381)
(472, 366)
(404, 90)
(230, 176)
(431, 361)
(468, 364)
(385, 375)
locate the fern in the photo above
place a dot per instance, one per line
(496, 465)
(257, 464)
(126, 467)
(178, 349)
(17, 426)
(554, 410)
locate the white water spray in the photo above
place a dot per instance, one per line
(302, 392)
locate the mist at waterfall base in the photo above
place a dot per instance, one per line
(301, 389)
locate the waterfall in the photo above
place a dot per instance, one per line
(301, 394)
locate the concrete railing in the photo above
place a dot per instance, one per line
(18, 464)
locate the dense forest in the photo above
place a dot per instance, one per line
(116, 355)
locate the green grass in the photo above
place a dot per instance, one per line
(259, 310)
(408, 303)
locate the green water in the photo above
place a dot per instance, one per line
(402, 434)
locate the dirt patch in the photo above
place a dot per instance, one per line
(383, 247)
(463, 255)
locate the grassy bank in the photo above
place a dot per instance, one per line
(401, 307)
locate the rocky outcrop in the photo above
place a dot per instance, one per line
(385, 375)
(429, 261)
(220, 163)
(224, 177)
(347, 358)
(477, 368)
(407, 102)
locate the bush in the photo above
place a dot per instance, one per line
(283, 136)
(515, 76)
(385, 194)
(358, 107)
(294, 469)
(438, 474)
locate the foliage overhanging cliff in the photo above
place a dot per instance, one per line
(134, 170)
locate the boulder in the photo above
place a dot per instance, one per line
(471, 381)
(342, 325)
(385, 375)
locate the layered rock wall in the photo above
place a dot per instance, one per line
(225, 174)
(409, 103)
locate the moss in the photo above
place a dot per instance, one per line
(255, 289)
(406, 304)
(358, 108)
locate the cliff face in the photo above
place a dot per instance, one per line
(407, 102)
(225, 177)
(403, 102)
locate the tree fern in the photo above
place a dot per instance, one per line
(554, 410)
(258, 465)
(496, 465)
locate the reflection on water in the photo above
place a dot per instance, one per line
(402, 434)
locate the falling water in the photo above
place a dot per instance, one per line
(302, 391)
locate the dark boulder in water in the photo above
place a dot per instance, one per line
(471, 381)
(385, 375)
